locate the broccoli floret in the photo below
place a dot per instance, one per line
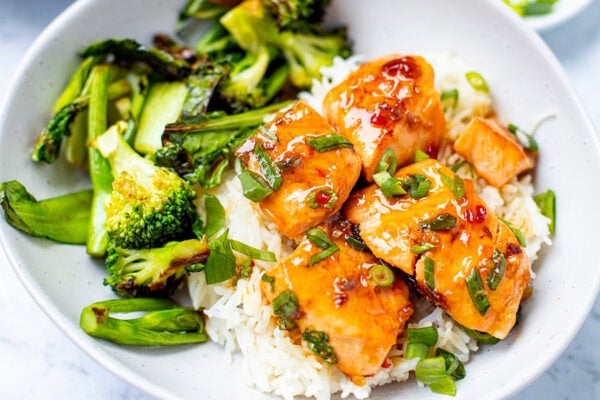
(152, 272)
(297, 15)
(254, 29)
(62, 219)
(149, 205)
(164, 324)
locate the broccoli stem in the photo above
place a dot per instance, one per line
(99, 168)
(63, 219)
(164, 324)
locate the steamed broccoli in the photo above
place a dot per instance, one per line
(62, 219)
(148, 205)
(152, 272)
(255, 31)
(297, 15)
(200, 150)
(164, 324)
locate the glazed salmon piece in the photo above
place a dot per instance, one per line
(315, 184)
(493, 151)
(337, 297)
(452, 233)
(388, 103)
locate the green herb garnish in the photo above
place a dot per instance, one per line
(321, 240)
(381, 275)
(285, 306)
(317, 341)
(328, 142)
(497, 272)
(442, 222)
(455, 185)
(429, 272)
(477, 292)
(546, 202)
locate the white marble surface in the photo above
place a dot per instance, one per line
(38, 362)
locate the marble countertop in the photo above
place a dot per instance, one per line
(37, 361)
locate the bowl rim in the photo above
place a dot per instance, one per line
(120, 369)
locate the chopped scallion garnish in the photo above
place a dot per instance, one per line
(253, 186)
(271, 173)
(417, 186)
(454, 367)
(328, 142)
(546, 202)
(515, 231)
(429, 271)
(477, 82)
(321, 240)
(432, 372)
(252, 252)
(268, 133)
(449, 99)
(388, 162)
(482, 337)
(269, 280)
(525, 139)
(215, 215)
(220, 264)
(318, 342)
(422, 247)
(455, 185)
(381, 275)
(497, 272)
(355, 243)
(285, 306)
(477, 292)
(427, 335)
(420, 155)
(390, 186)
(414, 350)
(441, 222)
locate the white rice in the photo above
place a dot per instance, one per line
(239, 318)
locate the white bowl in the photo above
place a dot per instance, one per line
(526, 81)
(563, 11)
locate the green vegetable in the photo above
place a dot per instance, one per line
(270, 280)
(99, 169)
(525, 139)
(63, 219)
(455, 185)
(477, 82)
(477, 292)
(482, 337)
(215, 215)
(391, 187)
(317, 341)
(254, 186)
(136, 219)
(454, 367)
(312, 202)
(449, 99)
(152, 272)
(546, 202)
(417, 186)
(420, 155)
(422, 248)
(381, 275)
(429, 272)
(497, 272)
(76, 84)
(220, 264)
(388, 162)
(321, 240)
(414, 350)
(328, 142)
(441, 222)
(164, 324)
(198, 9)
(297, 15)
(432, 372)
(252, 252)
(269, 170)
(285, 306)
(426, 335)
(515, 231)
(356, 243)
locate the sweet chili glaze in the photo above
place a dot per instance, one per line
(390, 227)
(337, 297)
(390, 102)
(305, 171)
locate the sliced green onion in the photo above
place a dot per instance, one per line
(414, 350)
(429, 271)
(449, 99)
(388, 162)
(355, 243)
(477, 82)
(427, 335)
(253, 186)
(482, 337)
(417, 186)
(458, 166)
(269, 170)
(215, 215)
(390, 187)
(245, 270)
(328, 142)
(525, 139)
(495, 275)
(477, 292)
(252, 252)
(329, 195)
(381, 275)
(546, 202)
(515, 231)
(321, 240)
(442, 222)
(432, 372)
(269, 280)
(455, 185)
(289, 163)
(537, 8)
(285, 306)
(220, 264)
(420, 155)
(268, 133)
(454, 367)
(422, 248)
(317, 341)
